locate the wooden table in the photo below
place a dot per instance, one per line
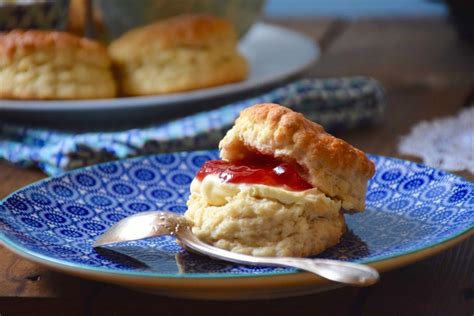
(427, 71)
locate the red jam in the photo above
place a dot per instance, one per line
(256, 170)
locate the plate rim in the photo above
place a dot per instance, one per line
(64, 265)
(149, 101)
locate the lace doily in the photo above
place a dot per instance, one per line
(446, 143)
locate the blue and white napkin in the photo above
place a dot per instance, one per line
(340, 103)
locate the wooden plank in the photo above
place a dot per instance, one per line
(442, 285)
(13, 178)
(23, 278)
(324, 303)
(322, 30)
(409, 52)
(44, 307)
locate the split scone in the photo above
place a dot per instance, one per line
(38, 64)
(185, 52)
(280, 188)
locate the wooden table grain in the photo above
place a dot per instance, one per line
(427, 71)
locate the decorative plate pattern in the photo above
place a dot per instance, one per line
(409, 207)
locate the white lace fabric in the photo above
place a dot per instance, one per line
(446, 143)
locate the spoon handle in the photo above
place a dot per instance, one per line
(334, 270)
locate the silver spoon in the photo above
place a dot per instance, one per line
(159, 223)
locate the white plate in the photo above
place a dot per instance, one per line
(274, 53)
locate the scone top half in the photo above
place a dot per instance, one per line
(189, 30)
(328, 163)
(22, 43)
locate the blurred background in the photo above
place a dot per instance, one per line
(323, 21)
(461, 12)
(121, 15)
(351, 9)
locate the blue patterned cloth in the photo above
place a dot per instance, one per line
(333, 103)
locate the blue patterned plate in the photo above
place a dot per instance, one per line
(412, 212)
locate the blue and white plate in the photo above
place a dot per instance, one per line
(413, 211)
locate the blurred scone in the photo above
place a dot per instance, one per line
(281, 187)
(181, 53)
(53, 65)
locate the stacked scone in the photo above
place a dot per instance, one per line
(281, 187)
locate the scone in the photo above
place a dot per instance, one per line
(181, 53)
(38, 64)
(281, 187)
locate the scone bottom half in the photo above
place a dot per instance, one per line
(264, 197)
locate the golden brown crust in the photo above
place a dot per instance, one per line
(192, 30)
(181, 53)
(28, 41)
(331, 164)
(53, 65)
